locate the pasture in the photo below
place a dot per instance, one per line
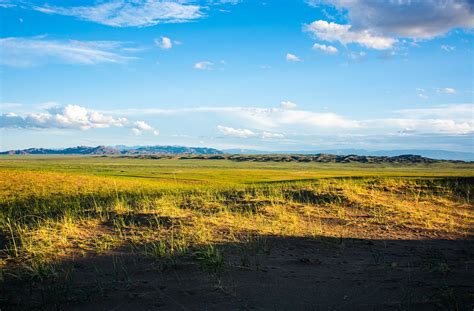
(117, 233)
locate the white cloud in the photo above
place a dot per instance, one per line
(446, 90)
(137, 13)
(270, 135)
(454, 111)
(447, 119)
(246, 133)
(9, 105)
(451, 119)
(142, 126)
(447, 48)
(233, 132)
(328, 49)
(346, 34)
(164, 43)
(433, 126)
(416, 19)
(23, 52)
(204, 65)
(292, 58)
(7, 5)
(421, 93)
(71, 117)
(67, 117)
(288, 105)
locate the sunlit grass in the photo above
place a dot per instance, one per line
(58, 209)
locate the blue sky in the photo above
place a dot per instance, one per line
(268, 75)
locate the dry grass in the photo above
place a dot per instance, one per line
(49, 217)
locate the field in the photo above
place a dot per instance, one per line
(122, 233)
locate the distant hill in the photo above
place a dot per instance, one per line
(74, 150)
(104, 150)
(339, 156)
(433, 154)
(320, 158)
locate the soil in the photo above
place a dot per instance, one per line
(274, 274)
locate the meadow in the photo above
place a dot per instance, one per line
(91, 232)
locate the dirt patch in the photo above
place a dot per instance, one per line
(267, 273)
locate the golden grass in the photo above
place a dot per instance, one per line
(48, 217)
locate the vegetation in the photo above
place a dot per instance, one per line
(218, 216)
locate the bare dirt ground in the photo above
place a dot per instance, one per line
(270, 274)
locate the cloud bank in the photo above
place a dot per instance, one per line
(379, 24)
(72, 117)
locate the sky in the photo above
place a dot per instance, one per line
(267, 75)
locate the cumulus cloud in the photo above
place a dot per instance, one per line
(416, 19)
(71, 117)
(346, 34)
(164, 43)
(137, 13)
(288, 105)
(292, 58)
(328, 49)
(233, 132)
(204, 65)
(142, 126)
(22, 52)
(67, 117)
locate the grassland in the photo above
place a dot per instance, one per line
(118, 233)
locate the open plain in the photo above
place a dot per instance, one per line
(111, 233)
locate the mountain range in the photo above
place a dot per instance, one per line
(182, 150)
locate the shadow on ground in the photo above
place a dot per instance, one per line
(266, 273)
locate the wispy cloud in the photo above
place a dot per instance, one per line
(450, 119)
(233, 132)
(292, 58)
(446, 90)
(204, 65)
(247, 133)
(286, 104)
(137, 13)
(447, 48)
(456, 111)
(421, 93)
(24, 52)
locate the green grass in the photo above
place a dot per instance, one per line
(223, 171)
(57, 208)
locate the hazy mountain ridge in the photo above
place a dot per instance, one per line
(433, 154)
(105, 150)
(342, 155)
(320, 158)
